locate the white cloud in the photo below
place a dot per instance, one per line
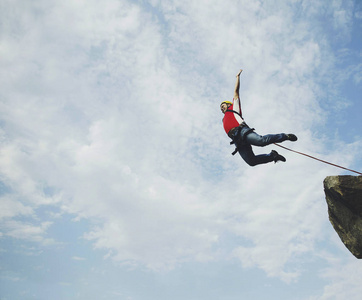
(78, 258)
(27, 231)
(116, 110)
(10, 208)
(343, 277)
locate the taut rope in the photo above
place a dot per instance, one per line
(326, 162)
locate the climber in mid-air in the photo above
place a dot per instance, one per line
(244, 137)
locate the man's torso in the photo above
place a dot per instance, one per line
(233, 116)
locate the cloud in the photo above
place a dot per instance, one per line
(11, 208)
(343, 279)
(112, 115)
(78, 258)
(26, 231)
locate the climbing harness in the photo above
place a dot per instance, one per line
(237, 137)
(233, 111)
(326, 162)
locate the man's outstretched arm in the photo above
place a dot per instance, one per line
(237, 85)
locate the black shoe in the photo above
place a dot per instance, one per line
(277, 156)
(292, 137)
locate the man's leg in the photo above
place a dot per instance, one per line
(246, 152)
(263, 140)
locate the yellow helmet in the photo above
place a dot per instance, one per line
(227, 102)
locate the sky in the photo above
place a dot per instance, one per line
(116, 176)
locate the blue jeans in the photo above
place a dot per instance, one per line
(245, 140)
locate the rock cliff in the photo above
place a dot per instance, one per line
(344, 199)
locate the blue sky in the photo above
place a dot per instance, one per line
(117, 180)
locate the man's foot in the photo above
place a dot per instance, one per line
(291, 137)
(277, 156)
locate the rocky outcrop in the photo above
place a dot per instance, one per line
(344, 199)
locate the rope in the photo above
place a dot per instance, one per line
(326, 162)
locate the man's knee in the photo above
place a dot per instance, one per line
(257, 140)
(250, 162)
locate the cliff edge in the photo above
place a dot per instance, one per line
(344, 199)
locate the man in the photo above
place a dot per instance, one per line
(244, 137)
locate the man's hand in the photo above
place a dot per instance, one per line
(239, 73)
